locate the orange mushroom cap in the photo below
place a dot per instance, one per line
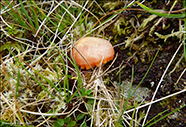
(93, 49)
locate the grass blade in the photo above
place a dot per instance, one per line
(76, 67)
(35, 17)
(30, 73)
(58, 77)
(159, 114)
(17, 84)
(15, 15)
(66, 83)
(46, 16)
(146, 72)
(165, 116)
(180, 16)
(128, 97)
(184, 5)
(23, 10)
(46, 79)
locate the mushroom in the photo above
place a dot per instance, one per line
(93, 49)
(89, 52)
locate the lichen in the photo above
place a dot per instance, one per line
(28, 90)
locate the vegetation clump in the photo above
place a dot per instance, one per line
(42, 86)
